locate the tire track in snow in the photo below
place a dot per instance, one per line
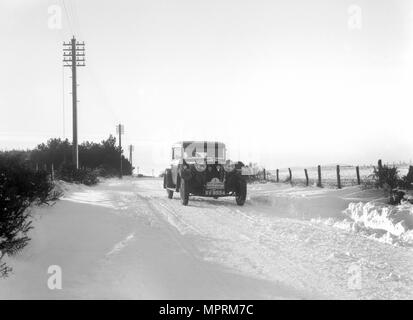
(292, 251)
(175, 236)
(121, 244)
(267, 256)
(313, 279)
(273, 255)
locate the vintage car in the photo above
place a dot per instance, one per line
(200, 168)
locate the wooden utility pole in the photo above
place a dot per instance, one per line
(120, 129)
(74, 56)
(130, 154)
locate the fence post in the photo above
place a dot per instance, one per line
(358, 175)
(52, 172)
(319, 177)
(338, 177)
(380, 167)
(278, 177)
(306, 177)
(264, 174)
(291, 175)
(37, 166)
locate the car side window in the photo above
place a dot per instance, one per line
(176, 153)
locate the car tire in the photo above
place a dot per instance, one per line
(184, 192)
(241, 194)
(167, 183)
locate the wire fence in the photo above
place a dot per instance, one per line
(324, 176)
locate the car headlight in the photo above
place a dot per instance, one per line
(200, 166)
(229, 167)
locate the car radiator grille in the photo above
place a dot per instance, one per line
(212, 172)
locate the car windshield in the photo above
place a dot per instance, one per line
(204, 150)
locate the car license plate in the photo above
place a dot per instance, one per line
(214, 192)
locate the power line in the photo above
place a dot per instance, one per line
(102, 94)
(74, 15)
(68, 17)
(75, 4)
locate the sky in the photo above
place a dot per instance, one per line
(282, 83)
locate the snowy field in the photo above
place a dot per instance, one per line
(127, 240)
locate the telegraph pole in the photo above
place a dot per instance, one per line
(120, 129)
(130, 153)
(74, 56)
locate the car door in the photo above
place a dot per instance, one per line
(176, 160)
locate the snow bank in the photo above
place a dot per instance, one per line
(66, 187)
(306, 202)
(378, 221)
(396, 220)
(352, 209)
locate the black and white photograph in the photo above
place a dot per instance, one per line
(193, 150)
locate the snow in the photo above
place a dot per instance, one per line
(394, 219)
(124, 239)
(382, 222)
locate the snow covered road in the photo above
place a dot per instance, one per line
(126, 239)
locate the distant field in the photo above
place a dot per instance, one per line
(329, 175)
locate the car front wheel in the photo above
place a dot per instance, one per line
(183, 190)
(241, 194)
